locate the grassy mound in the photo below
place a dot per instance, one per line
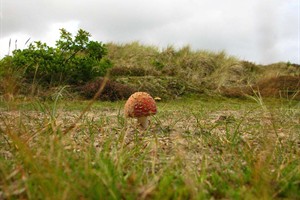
(165, 87)
(168, 73)
(282, 86)
(278, 87)
(112, 90)
(172, 72)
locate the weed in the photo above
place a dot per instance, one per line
(196, 147)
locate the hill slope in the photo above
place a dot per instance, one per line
(172, 72)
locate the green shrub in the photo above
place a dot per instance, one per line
(74, 60)
(10, 78)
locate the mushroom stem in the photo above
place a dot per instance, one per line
(143, 121)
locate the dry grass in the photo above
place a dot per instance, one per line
(286, 87)
(195, 148)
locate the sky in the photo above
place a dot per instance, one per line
(260, 31)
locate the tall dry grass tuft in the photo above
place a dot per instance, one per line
(33, 141)
(285, 87)
(89, 105)
(10, 79)
(112, 91)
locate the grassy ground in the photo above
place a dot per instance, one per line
(196, 148)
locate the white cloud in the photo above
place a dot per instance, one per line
(54, 33)
(12, 42)
(262, 31)
(22, 40)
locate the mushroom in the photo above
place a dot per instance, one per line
(140, 105)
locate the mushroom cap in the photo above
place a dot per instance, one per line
(140, 104)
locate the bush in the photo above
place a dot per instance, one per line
(113, 91)
(72, 61)
(282, 86)
(10, 78)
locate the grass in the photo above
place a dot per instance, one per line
(197, 147)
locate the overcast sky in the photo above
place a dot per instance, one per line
(261, 31)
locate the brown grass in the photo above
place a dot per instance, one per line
(277, 87)
(112, 91)
(282, 86)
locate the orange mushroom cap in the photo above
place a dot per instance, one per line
(140, 104)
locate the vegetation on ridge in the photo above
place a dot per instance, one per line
(169, 73)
